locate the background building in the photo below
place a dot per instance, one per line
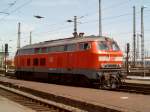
(1, 59)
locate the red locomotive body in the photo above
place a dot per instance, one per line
(94, 59)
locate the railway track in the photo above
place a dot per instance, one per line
(135, 88)
(41, 102)
(35, 103)
(131, 88)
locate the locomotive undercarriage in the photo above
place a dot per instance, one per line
(55, 78)
(103, 79)
(109, 79)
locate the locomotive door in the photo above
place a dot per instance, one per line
(70, 56)
(70, 61)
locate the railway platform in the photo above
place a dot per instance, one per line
(10, 106)
(119, 101)
(138, 80)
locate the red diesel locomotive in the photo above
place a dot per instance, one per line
(90, 58)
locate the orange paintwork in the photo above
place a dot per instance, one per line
(87, 59)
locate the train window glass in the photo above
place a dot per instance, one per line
(28, 62)
(62, 48)
(28, 51)
(115, 47)
(59, 48)
(53, 49)
(42, 61)
(44, 50)
(37, 50)
(49, 49)
(70, 47)
(35, 62)
(84, 46)
(103, 46)
(56, 49)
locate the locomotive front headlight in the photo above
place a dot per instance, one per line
(103, 58)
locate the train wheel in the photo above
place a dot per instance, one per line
(111, 83)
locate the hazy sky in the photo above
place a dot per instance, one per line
(116, 19)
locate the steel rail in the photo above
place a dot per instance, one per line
(34, 102)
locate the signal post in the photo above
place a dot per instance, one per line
(5, 55)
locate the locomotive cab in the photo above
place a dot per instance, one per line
(110, 59)
(110, 55)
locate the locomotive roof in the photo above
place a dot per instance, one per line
(66, 41)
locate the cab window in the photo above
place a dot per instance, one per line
(84, 46)
(56, 49)
(37, 50)
(70, 47)
(115, 47)
(108, 45)
(103, 46)
(44, 50)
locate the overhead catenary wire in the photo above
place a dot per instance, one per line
(104, 19)
(5, 11)
(69, 27)
(16, 9)
(107, 18)
(87, 15)
(111, 17)
(56, 23)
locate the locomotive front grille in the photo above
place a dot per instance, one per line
(110, 65)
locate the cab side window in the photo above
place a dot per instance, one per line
(37, 50)
(70, 47)
(84, 46)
